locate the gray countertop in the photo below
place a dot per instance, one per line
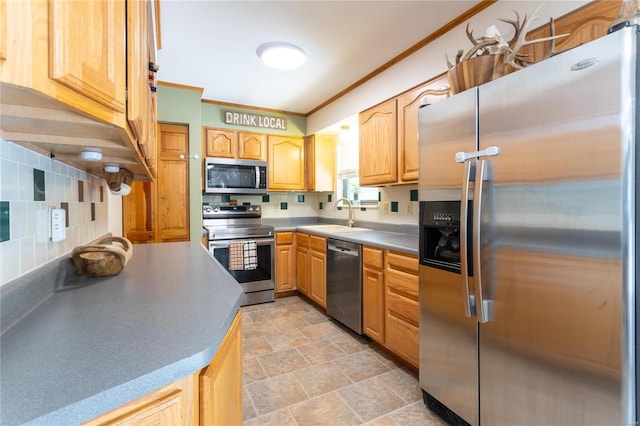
(85, 351)
(400, 238)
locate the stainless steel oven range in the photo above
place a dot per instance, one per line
(225, 225)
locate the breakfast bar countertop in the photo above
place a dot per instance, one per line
(87, 350)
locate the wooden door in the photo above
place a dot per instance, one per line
(138, 213)
(373, 293)
(408, 105)
(89, 57)
(252, 146)
(221, 381)
(221, 143)
(378, 144)
(286, 163)
(173, 183)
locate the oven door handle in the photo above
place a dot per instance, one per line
(225, 243)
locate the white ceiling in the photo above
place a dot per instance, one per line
(212, 44)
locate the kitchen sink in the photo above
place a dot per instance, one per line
(331, 228)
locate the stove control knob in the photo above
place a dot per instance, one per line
(207, 209)
(216, 209)
(257, 208)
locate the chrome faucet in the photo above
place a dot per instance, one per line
(351, 221)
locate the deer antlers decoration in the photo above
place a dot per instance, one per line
(493, 42)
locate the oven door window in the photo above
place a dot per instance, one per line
(230, 176)
(261, 273)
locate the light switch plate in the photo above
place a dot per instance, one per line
(58, 229)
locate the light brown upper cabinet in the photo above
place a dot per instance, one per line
(408, 105)
(321, 162)
(220, 142)
(68, 79)
(583, 25)
(141, 102)
(378, 147)
(389, 135)
(252, 146)
(227, 143)
(286, 163)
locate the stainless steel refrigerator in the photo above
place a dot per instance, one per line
(528, 243)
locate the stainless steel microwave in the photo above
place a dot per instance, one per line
(231, 176)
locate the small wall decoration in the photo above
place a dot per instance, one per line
(255, 120)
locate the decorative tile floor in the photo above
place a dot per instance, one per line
(302, 368)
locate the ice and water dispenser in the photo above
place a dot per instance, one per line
(440, 234)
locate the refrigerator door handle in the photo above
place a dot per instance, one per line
(468, 300)
(483, 304)
(490, 151)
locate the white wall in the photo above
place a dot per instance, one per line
(430, 60)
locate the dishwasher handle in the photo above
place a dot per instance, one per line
(342, 249)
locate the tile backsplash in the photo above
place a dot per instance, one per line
(30, 185)
(398, 205)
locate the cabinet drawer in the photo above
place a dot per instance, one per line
(302, 240)
(402, 262)
(318, 243)
(403, 339)
(284, 238)
(373, 257)
(402, 283)
(403, 308)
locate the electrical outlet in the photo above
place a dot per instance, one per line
(58, 229)
(409, 207)
(385, 207)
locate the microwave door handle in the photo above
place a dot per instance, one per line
(257, 177)
(468, 299)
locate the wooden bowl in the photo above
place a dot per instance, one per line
(101, 259)
(476, 71)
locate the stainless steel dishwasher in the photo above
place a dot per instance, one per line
(344, 283)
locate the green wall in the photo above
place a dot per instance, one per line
(184, 106)
(181, 106)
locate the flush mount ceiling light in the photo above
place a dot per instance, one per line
(91, 155)
(284, 56)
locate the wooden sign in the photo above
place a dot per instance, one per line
(255, 120)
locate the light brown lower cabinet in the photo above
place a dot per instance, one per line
(401, 306)
(221, 381)
(302, 263)
(373, 293)
(390, 309)
(212, 396)
(285, 262)
(318, 270)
